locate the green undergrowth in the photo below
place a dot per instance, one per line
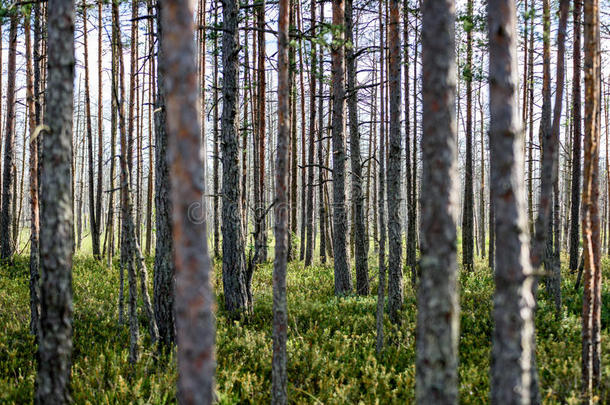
(331, 343)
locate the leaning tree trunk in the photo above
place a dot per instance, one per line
(343, 277)
(513, 299)
(194, 297)
(395, 293)
(438, 315)
(57, 237)
(6, 248)
(233, 257)
(361, 247)
(163, 288)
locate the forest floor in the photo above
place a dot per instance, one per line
(331, 343)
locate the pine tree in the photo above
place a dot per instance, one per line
(438, 314)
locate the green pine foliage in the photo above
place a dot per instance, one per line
(331, 343)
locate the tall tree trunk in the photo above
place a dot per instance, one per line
(525, 66)
(164, 269)
(408, 178)
(577, 139)
(80, 182)
(541, 249)
(549, 151)
(100, 126)
(56, 236)
(303, 146)
(280, 311)
(152, 94)
(468, 211)
(244, 137)
(233, 258)
(216, 156)
(590, 200)
(18, 192)
(371, 191)
(201, 55)
(293, 136)
(113, 135)
(530, 157)
(126, 260)
(492, 231)
(361, 248)
(1, 116)
(313, 77)
(395, 293)
(482, 190)
(412, 222)
(567, 172)
(37, 95)
(194, 296)
(132, 114)
(260, 231)
(513, 299)
(6, 248)
(321, 128)
(33, 172)
(438, 315)
(343, 277)
(381, 191)
(93, 220)
(554, 279)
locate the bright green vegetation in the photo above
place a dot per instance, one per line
(331, 348)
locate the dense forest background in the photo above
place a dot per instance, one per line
(327, 201)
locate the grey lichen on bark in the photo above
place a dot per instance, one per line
(56, 237)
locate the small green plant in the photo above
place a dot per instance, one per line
(331, 343)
